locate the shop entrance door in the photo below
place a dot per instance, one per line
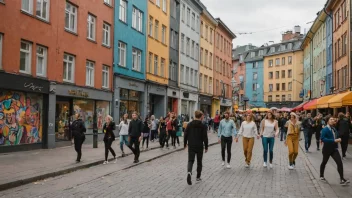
(62, 121)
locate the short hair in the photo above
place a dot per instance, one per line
(135, 112)
(198, 114)
(341, 116)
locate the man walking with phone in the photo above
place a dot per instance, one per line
(196, 137)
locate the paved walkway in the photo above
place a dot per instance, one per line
(20, 168)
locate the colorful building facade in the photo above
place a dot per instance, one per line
(329, 52)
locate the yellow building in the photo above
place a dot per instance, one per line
(207, 32)
(283, 75)
(157, 73)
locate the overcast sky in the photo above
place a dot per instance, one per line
(263, 15)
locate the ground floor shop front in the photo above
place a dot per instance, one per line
(205, 104)
(189, 103)
(173, 98)
(157, 99)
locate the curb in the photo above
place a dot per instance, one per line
(79, 167)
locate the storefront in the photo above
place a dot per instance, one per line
(205, 104)
(173, 96)
(70, 100)
(215, 107)
(23, 112)
(225, 105)
(129, 97)
(157, 100)
(189, 103)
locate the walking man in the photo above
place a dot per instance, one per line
(227, 131)
(134, 135)
(78, 130)
(308, 125)
(196, 137)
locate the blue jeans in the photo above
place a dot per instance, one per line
(307, 138)
(123, 140)
(268, 142)
(283, 134)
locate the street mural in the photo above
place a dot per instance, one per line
(20, 118)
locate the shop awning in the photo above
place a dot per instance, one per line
(340, 100)
(299, 107)
(323, 102)
(310, 105)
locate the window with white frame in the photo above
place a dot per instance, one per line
(197, 24)
(150, 62)
(183, 12)
(69, 67)
(27, 6)
(106, 34)
(182, 43)
(252, 54)
(157, 3)
(197, 52)
(91, 27)
(71, 17)
(192, 50)
(137, 17)
(188, 46)
(108, 2)
(136, 59)
(162, 66)
(89, 73)
(193, 22)
(156, 65)
(123, 11)
(105, 77)
(201, 82)
(191, 78)
(1, 38)
(25, 57)
(41, 61)
(187, 76)
(122, 54)
(163, 34)
(182, 73)
(188, 16)
(156, 36)
(164, 6)
(42, 9)
(151, 26)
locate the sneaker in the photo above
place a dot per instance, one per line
(307, 151)
(123, 155)
(189, 178)
(318, 149)
(198, 179)
(105, 162)
(344, 158)
(77, 161)
(228, 166)
(265, 165)
(270, 165)
(323, 179)
(115, 160)
(247, 165)
(290, 167)
(223, 163)
(344, 182)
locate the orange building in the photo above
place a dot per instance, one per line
(57, 59)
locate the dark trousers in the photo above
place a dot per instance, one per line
(283, 134)
(178, 140)
(78, 147)
(172, 134)
(317, 138)
(108, 148)
(344, 145)
(192, 152)
(162, 139)
(154, 134)
(334, 153)
(134, 141)
(226, 142)
(145, 139)
(307, 138)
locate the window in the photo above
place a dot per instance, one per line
(270, 98)
(290, 86)
(289, 46)
(188, 16)
(255, 76)
(201, 29)
(197, 24)
(197, 52)
(187, 76)
(188, 47)
(277, 86)
(283, 47)
(41, 60)
(69, 67)
(270, 75)
(183, 12)
(163, 34)
(182, 43)
(277, 98)
(270, 87)
(27, 6)
(42, 9)
(210, 85)
(255, 65)
(156, 30)
(283, 61)
(277, 74)
(270, 63)
(151, 26)
(206, 58)
(1, 37)
(155, 64)
(122, 54)
(289, 97)
(210, 60)
(150, 62)
(254, 87)
(206, 32)
(283, 86)
(91, 27)
(289, 73)
(89, 73)
(217, 88)
(182, 73)
(162, 66)
(211, 36)
(283, 98)
(193, 24)
(344, 44)
(174, 8)
(282, 73)
(261, 52)
(164, 6)
(157, 3)
(201, 82)
(108, 2)
(174, 40)
(252, 54)
(105, 77)
(25, 57)
(136, 59)
(277, 62)
(106, 34)
(201, 56)
(205, 84)
(192, 50)
(290, 60)
(71, 17)
(137, 19)
(272, 49)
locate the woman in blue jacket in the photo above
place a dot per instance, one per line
(330, 138)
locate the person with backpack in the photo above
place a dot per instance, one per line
(78, 130)
(123, 126)
(109, 138)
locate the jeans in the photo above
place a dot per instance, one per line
(334, 153)
(154, 134)
(268, 142)
(307, 138)
(163, 139)
(123, 140)
(283, 134)
(317, 138)
(344, 145)
(226, 142)
(108, 148)
(192, 152)
(134, 141)
(78, 148)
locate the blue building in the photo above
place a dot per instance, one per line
(329, 55)
(129, 57)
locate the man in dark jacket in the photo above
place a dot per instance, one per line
(196, 137)
(78, 130)
(134, 135)
(343, 127)
(308, 130)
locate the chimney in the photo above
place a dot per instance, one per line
(289, 35)
(297, 29)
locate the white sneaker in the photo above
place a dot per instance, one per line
(247, 165)
(105, 162)
(265, 165)
(223, 164)
(271, 165)
(290, 167)
(115, 161)
(344, 158)
(228, 166)
(294, 166)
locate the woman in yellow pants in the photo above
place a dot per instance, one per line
(292, 139)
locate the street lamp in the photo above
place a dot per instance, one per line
(245, 100)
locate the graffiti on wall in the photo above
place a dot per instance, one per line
(20, 118)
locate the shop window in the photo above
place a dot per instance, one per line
(103, 110)
(129, 102)
(86, 109)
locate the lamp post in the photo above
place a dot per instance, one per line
(235, 90)
(245, 100)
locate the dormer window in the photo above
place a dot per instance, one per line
(289, 46)
(252, 54)
(283, 47)
(272, 49)
(261, 52)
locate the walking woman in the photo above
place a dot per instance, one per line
(330, 138)
(109, 137)
(292, 140)
(249, 131)
(269, 130)
(343, 126)
(146, 131)
(123, 126)
(162, 133)
(179, 130)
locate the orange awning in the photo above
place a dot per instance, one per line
(310, 105)
(340, 100)
(323, 102)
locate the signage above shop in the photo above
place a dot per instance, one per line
(78, 93)
(23, 83)
(32, 86)
(131, 84)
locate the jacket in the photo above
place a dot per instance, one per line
(135, 128)
(78, 129)
(343, 127)
(123, 128)
(196, 135)
(108, 130)
(327, 136)
(307, 123)
(227, 128)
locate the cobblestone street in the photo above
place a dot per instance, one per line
(166, 177)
